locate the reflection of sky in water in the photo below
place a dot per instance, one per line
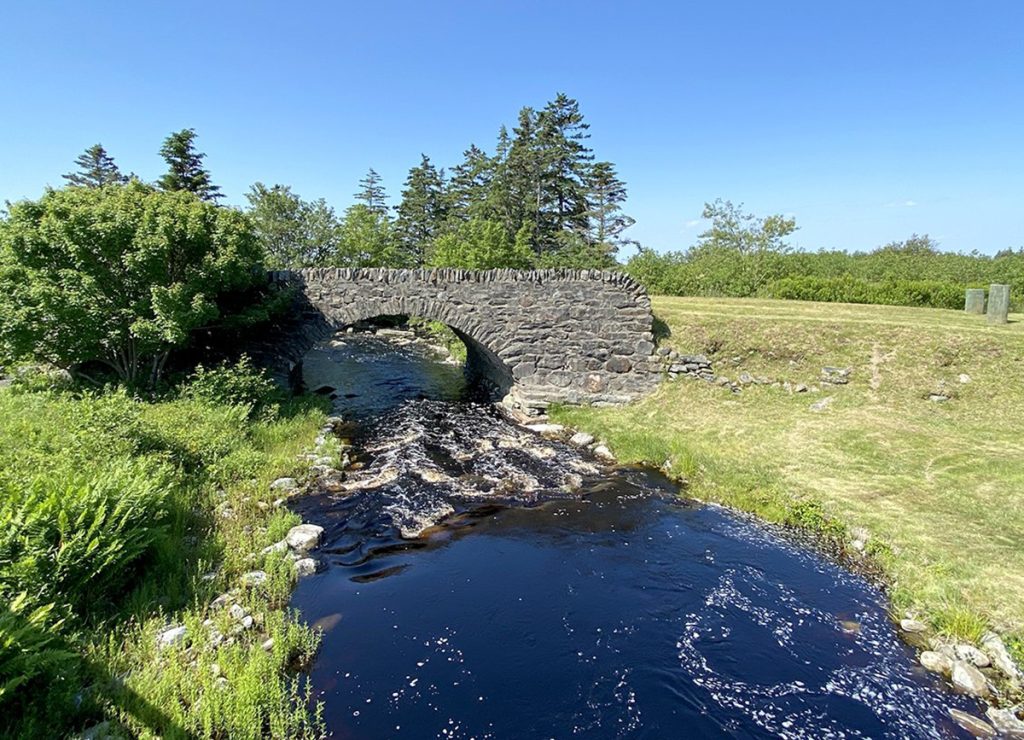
(624, 613)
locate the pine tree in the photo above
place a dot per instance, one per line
(606, 194)
(422, 212)
(95, 169)
(371, 193)
(185, 166)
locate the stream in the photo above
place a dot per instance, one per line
(481, 581)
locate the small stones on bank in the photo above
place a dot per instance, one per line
(1006, 722)
(546, 429)
(969, 680)
(304, 537)
(581, 439)
(254, 578)
(284, 484)
(974, 725)
(172, 636)
(819, 406)
(912, 625)
(305, 567)
(936, 662)
(993, 645)
(604, 453)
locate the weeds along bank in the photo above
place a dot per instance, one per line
(121, 522)
(915, 465)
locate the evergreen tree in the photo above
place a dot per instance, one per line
(422, 212)
(607, 193)
(185, 167)
(95, 169)
(371, 193)
(469, 191)
(565, 163)
(518, 183)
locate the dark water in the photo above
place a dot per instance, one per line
(537, 593)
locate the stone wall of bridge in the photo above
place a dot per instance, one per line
(537, 336)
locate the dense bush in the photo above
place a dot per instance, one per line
(118, 275)
(238, 384)
(848, 289)
(912, 273)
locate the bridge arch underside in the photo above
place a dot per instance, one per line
(483, 365)
(535, 337)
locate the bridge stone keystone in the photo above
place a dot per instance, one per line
(512, 321)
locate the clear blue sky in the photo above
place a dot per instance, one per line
(866, 120)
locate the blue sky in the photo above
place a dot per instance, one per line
(867, 121)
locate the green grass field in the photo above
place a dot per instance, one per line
(937, 488)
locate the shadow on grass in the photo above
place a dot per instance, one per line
(661, 330)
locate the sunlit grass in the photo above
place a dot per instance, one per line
(938, 486)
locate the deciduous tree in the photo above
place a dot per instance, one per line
(119, 275)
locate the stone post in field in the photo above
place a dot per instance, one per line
(998, 303)
(975, 302)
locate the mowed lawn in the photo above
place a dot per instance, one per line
(937, 486)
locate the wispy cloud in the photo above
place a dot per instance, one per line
(692, 223)
(901, 204)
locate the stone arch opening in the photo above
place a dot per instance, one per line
(483, 366)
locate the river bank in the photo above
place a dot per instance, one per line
(892, 431)
(136, 539)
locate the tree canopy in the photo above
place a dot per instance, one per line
(119, 275)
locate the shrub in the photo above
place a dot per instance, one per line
(848, 289)
(240, 384)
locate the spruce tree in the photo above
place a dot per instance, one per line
(95, 169)
(606, 194)
(422, 212)
(185, 167)
(371, 193)
(469, 190)
(565, 163)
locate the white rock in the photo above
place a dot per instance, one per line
(221, 601)
(1006, 722)
(992, 644)
(304, 537)
(254, 578)
(936, 662)
(582, 439)
(819, 406)
(912, 625)
(247, 621)
(285, 484)
(546, 428)
(972, 655)
(237, 612)
(281, 546)
(604, 453)
(305, 567)
(974, 725)
(965, 378)
(172, 636)
(969, 679)
(215, 669)
(269, 644)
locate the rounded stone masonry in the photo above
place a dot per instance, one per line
(974, 301)
(998, 303)
(535, 336)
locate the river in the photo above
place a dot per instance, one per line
(481, 581)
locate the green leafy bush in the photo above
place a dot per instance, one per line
(240, 384)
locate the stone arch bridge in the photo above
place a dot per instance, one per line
(537, 336)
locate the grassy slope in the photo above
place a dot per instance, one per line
(939, 486)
